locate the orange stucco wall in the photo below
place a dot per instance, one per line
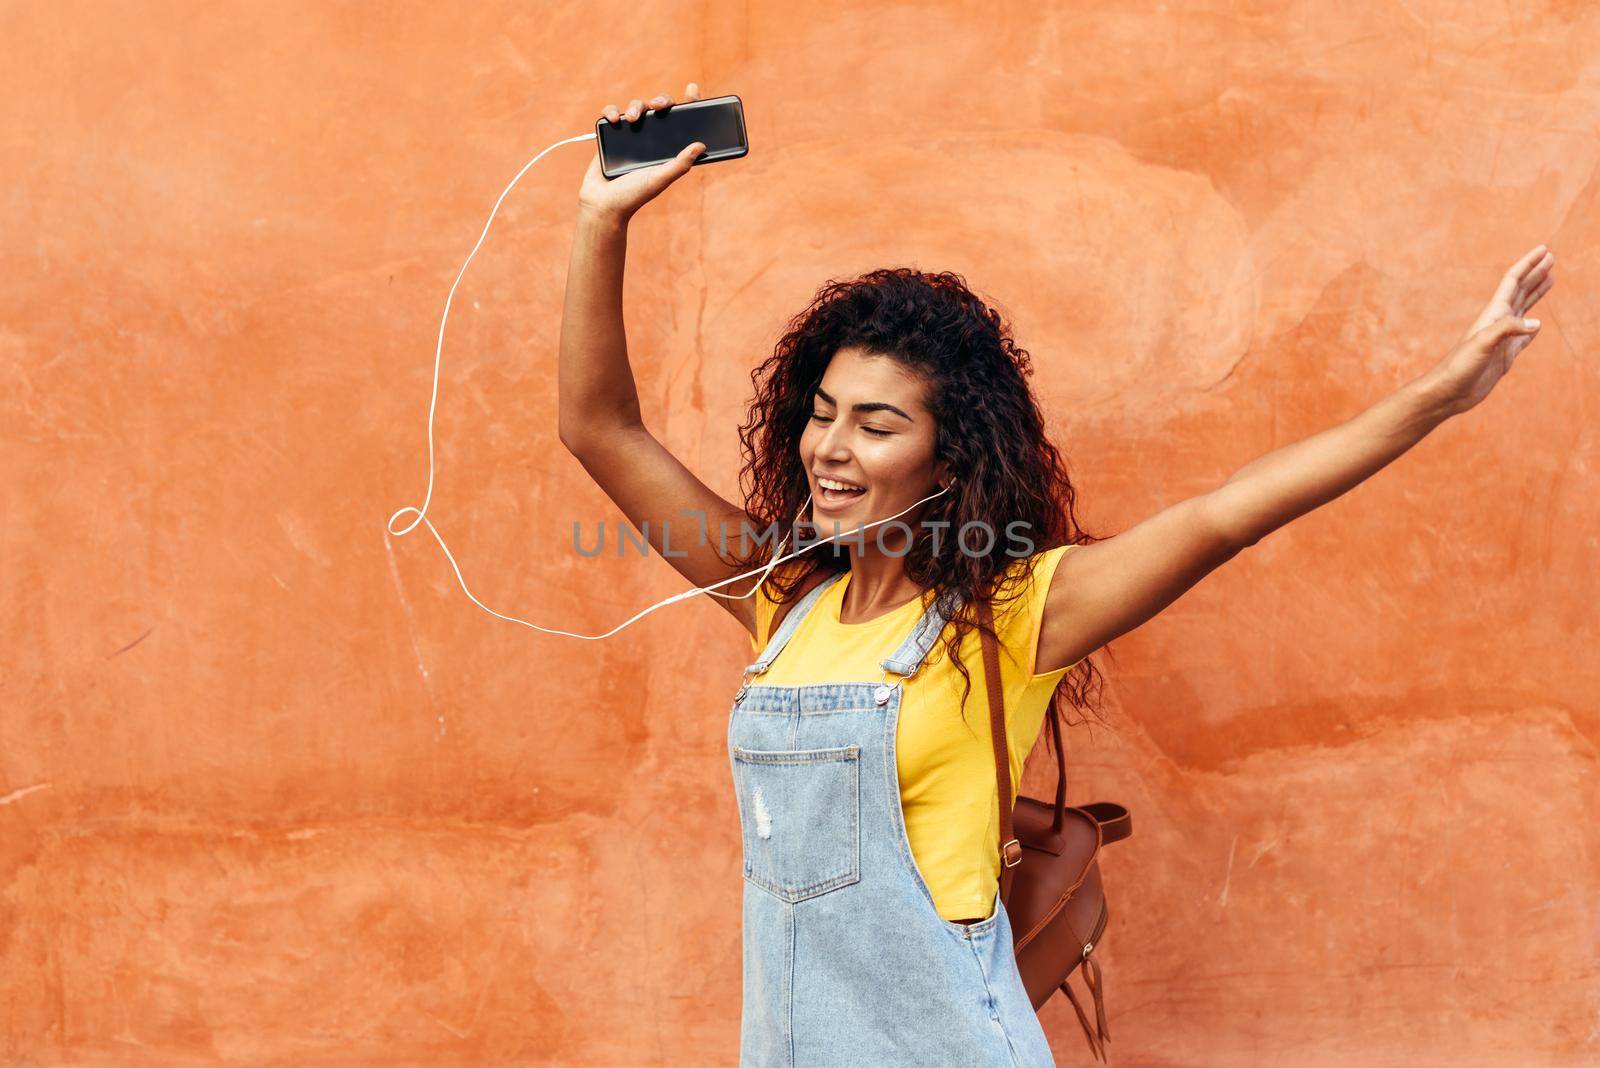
(273, 791)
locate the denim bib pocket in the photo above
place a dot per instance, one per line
(799, 811)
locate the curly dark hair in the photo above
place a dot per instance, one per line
(989, 429)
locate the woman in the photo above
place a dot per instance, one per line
(873, 929)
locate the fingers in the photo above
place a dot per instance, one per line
(1537, 280)
(631, 113)
(1539, 291)
(1535, 275)
(637, 106)
(1526, 263)
(1523, 275)
(1517, 276)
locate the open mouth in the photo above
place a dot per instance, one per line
(835, 491)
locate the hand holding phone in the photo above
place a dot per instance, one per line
(641, 151)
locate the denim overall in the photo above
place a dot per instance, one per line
(847, 962)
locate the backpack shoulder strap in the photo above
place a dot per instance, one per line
(1010, 848)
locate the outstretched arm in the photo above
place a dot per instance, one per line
(1105, 589)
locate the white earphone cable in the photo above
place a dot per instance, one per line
(422, 517)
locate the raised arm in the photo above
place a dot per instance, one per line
(1105, 589)
(600, 419)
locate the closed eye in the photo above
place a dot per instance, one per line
(872, 430)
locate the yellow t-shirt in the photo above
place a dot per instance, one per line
(948, 791)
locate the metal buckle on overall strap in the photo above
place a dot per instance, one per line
(885, 689)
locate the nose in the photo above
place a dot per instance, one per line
(835, 445)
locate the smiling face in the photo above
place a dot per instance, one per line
(868, 448)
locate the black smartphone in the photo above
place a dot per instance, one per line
(657, 136)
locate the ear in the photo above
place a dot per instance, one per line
(942, 474)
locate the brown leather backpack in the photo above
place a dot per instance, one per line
(1054, 901)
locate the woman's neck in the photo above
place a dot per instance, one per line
(878, 584)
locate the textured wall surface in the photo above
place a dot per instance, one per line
(274, 791)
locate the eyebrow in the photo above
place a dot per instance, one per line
(873, 406)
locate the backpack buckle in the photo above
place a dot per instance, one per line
(1013, 857)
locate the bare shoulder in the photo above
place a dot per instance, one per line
(1065, 631)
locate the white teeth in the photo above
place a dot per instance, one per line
(831, 484)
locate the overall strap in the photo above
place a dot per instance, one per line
(791, 613)
(914, 650)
